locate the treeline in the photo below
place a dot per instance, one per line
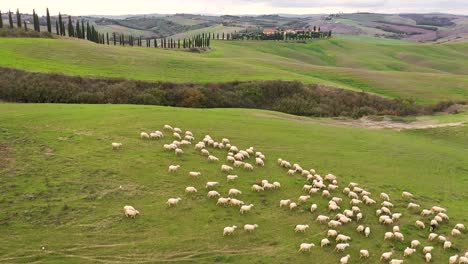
(288, 97)
(82, 30)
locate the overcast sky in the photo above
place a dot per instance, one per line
(235, 7)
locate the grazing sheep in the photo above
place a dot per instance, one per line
(236, 202)
(428, 257)
(415, 243)
(257, 188)
(426, 212)
(324, 242)
(167, 127)
(406, 195)
(179, 151)
(233, 192)
(173, 201)
(303, 198)
(248, 166)
(246, 208)
(306, 247)
(388, 235)
(399, 236)
(225, 141)
(443, 215)
(277, 185)
(455, 232)
(230, 159)
(259, 162)
(428, 249)
(420, 224)
(341, 246)
(333, 207)
(238, 163)
(211, 184)
(342, 238)
(205, 152)
(223, 201)
(353, 195)
(322, 218)
(385, 197)
(212, 194)
(460, 227)
(292, 206)
(325, 193)
(453, 259)
(313, 207)
(396, 261)
(367, 231)
(332, 233)
(432, 236)
(231, 177)
(408, 252)
(360, 229)
(116, 146)
(301, 228)
(173, 168)
(226, 168)
(386, 255)
(177, 136)
(438, 209)
(250, 228)
(285, 203)
(364, 253)
(447, 245)
(213, 158)
(229, 230)
(345, 259)
(291, 172)
(355, 201)
(190, 189)
(346, 190)
(463, 260)
(130, 211)
(413, 206)
(334, 224)
(442, 238)
(144, 135)
(195, 174)
(178, 130)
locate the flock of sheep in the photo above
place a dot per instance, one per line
(314, 185)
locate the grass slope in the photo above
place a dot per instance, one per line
(60, 181)
(427, 73)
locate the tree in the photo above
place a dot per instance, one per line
(155, 42)
(1, 20)
(88, 31)
(49, 25)
(61, 25)
(25, 26)
(18, 18)
(10, 19)
(178, 43)
(71, 30)
(57, 27)
(34, 20)
(107, 37)
(113, 36)
(82, 30)
(78, 29)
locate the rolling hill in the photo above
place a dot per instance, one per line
(427, 73)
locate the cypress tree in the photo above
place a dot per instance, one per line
(57, 27)
(217, 36)
(25, 26)
(178, 43)
(184, 44)
(18, 18)
(78, 29)
(71, 30)
(10, 19)
(223, 36)
(115, 41)
(60, 24)
(155, 42)
(34, 20)
(83, 34)
(1, 20)
(208, 43)
(107, 37)
(49, 25)
(88, 31)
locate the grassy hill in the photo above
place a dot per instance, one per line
(427, 73)
(60, 185)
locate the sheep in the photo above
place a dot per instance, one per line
(205, 152)
(306, 187)
(428, 257)
(233, 149)
(285, 203)
(332, 187)
(238, 163)
(337, 199)
(388, 235)
(438, 218)
(190, 189)
(226, 168)
(167, 127)
(246, 208)
(455, 232)
(292, 206)
(367, 231)
(259, 162)
(322, 218)
(236, 202)
(116, 146)
(413, 206)
(306, 247)
(358, 217)
(453, 259)
(443, 215)
(346, 190)
(447, 245)
(396, 229)
(301, 228)
(314, 190)
(420, 224)
(230, 159)
(144, 135)
(229, 230)
(212, 194)
(248, 166)
(225, 141)
(396, 261)
(353, 195)
(460, 227)
(231, 177)
(173, 168)
(387, 204)
(177, 130)
(385, 197)
(399, 236)
(213, 158)
(185, 142)
(179, 151)
(333, 207)
(432, 236)
(277, 185)
(364, 253)
(386, 255)
(325, 193)
(345, 259)
(269, 186)
(303, 198)
(257, 188)
(130, 211)
(369, 201)
(408, 252)
(438, 209)
(341, 246)
(406, 195)
(211, 184)
(360, 229)
(233, 192)
(223, 201)
(334, 224)
(194, 174)
(291, 172)
(428, 249)
(324, 242)
(415, 243)
(332, 233)
(426, 212)
(176, 135)
(355, 201)
(342, 238)
(173, 201)
(313, 207)
(463, 260)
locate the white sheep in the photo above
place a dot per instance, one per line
(178, 130)
(385, 197)
(233, 192)
(428, 249)
(428, 257)
(455, 232)
(447, 245)
(460, 227)
(420, 224)
(248, 166)
(413, 206)
(332, 233)
(212, 194)
(259, 162)
(190, 189)
(358, 217)
(306, 247)
(238, 163)
(342, 238)
(313, 207)
(388, 235)
(367, 231)
(453, 259)
(229, 230)
(334, 224)
(396, 229)
(225, 141)
(322, 218)
(116, 146)
(130, 211)
(432, 236)
(442, 238)
(291, 172)
(277, 185)
(438, 209)
(176, 135)
(301, 228)
(363, 253)
(304, 198)
(408, 252)
(360, 229)
(226, 168)
(223, 201)
(399, 236)
(250, 228)
(179, 151)
(285, 203)
(212, 158)
(386, 204)
(257, 188)
(292, 206)
(231, 177)
(345, 259)
(144, 135)
(195, 174)
(173, 168)
(324, 242)
(386, 255)
(426, 212)
(173, 201)
(246, 208)
(325, 193)
(341, 246)
(167, 127)
(463, 260)
(396, 261)
(211, 184)
(406, 195)
(415, 243)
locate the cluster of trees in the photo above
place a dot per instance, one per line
(288, 97)
(280, 35)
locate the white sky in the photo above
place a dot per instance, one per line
(234, 7)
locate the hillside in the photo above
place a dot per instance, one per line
(424, 72)
(65, 187)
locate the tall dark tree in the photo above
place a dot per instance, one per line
(115, 40)
(49, 25)
(57, 27)
(25, 26)
(83, 32)
(88, 31)
(18, 18)
(10, 19)
(107, 37)
(71, 30)
(78, 29)
(34, 20)
(155, 42)
(1, 20)
(60, 22)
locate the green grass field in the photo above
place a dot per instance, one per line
(60, 179)
(427, 73)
